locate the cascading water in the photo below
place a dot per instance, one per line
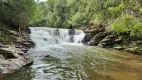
(59, 56)
(43, 36)
(47, 38)
(53, 42)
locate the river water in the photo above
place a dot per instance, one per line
(56, 57)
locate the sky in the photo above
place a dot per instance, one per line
(41, 0)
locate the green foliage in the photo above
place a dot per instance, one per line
(78, 19)
(116, 11)
(125, 15)
(140, 11)
(127, 25)
(15, 13)
(136, 30)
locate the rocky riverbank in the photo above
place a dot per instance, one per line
(14, 56)
(98, 35)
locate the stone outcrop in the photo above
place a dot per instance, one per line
(94, 34)
(109, 41)
(13, 57)
(97, 35)
(97, 39)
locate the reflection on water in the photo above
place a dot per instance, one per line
(72, 62)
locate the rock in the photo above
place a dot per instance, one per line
(10, 72)
(7, 67)
(26, 35)
(28, 63)
(12, 57)
(87, 38)
(26, 45)
(21, 53)
(2, 57)
(87, 31)
(7, 54)
(18, 46)
(108, 41)
(101, 29)
(94, 31)
(135, 50)
(91, 43)
(47, 56)
(118, 48)
(24, 50)
(98, 38)
(1, 45)
(102, 45)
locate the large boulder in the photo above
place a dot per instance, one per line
(109, 41)
(87, 38)
(97, 39)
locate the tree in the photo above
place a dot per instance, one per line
(15, 13)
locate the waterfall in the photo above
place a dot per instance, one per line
(45, 37)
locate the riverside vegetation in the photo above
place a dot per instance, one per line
(108, 23)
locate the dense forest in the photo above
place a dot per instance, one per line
(120, 16)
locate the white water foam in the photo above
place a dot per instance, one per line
(50, 37)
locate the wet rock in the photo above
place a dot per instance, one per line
(2, 57)
(28, 63)
(97, 39)
(109, 41)
(87, 38)
(24, 50)
(87, 31)
(135, 50)
(47, 56)
(7, 66)
(26, 44)
(21, 53)
(6, 54)
(12, 57)
(94, 31)
(101, 29)
(91, 43)
(18, 46)
(1, 45)
(118, 48)
(92, 27)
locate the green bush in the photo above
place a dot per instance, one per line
(78, 19)
(128, 24)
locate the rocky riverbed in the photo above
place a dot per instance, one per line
(15, 56)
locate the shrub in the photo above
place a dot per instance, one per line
(128, 24)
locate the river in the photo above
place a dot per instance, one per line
(57, 58)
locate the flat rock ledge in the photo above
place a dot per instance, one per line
(11, 60)
(14, 57)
